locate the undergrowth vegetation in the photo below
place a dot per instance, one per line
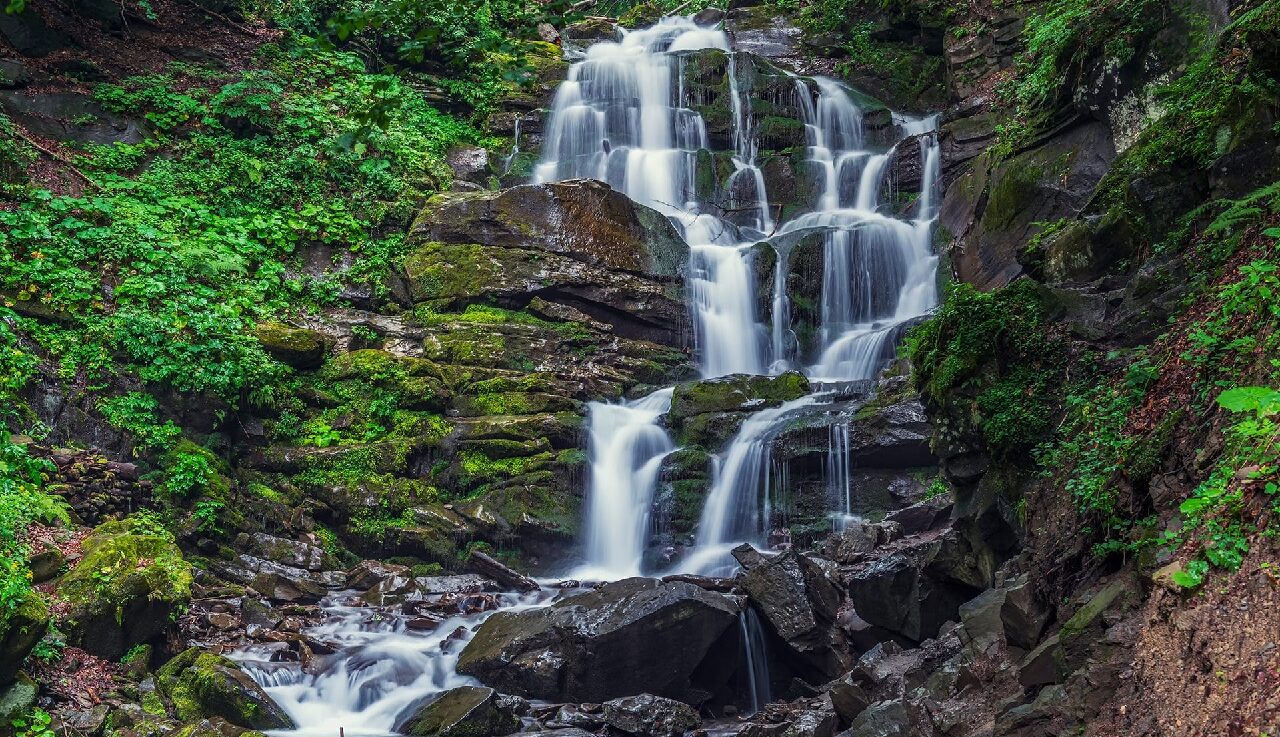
(992, 356)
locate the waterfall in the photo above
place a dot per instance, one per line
(626, 447)
(624, 116)
(621, 117)
(756, 656)
(733, 511)
(839, 479)
(879, 271)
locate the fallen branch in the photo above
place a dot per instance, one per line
(56, 157)
(492, 568)
(243, 29)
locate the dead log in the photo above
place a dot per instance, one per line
(490, 567)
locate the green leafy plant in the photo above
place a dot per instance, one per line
(205, 514)
(36, 723)
(1216, 512)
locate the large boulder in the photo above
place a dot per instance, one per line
(126, 589)
(19, 632)
(199, 684)
(468, 711)
(914, 590)
(647, 715)
(583, 219)
(800, 603)
(628, 637)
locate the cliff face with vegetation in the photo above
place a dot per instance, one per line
(266, 309)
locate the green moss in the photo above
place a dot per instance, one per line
(1013, 190)
(480, 468)
(121, 565)
(200, 684)
(736, 393)
(991, 352)
(641, 14)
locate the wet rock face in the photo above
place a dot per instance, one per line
(464, 712)
(799, 602)
(580, 249)
(628, 637)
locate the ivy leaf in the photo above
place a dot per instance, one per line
(1257, 399)
(1191, 576)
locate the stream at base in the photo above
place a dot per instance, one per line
(382, 665)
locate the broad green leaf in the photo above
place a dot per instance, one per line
(1258, 399)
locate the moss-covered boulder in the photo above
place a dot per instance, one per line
(126, 589)
(199, 685)
(736, 393)
(585, 220)
(296, 347)
(469, 711)
(19, 632)
(641, 14)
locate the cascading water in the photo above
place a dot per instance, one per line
(733, 509)
(622, 117)
(839, 478)
(380, 670)
(619, 118)
(756, 653)
(626, 448)
(879, 271)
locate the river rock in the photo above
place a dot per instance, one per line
(199, 684)
(295, 553)
(647, 715)
(631, 636)
(468, 711)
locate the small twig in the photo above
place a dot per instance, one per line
(57, 157)
(682, 6)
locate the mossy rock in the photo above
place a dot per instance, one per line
(643, 14)
(199, 685)
(583, 219)
(468, 711)
(20, 632)
(18, 698)
(297, 347)
(591, 30)
(736, 393)
(126, 589)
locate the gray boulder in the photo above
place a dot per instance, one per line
(647, 715)
(800, 603)
(628, 637)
